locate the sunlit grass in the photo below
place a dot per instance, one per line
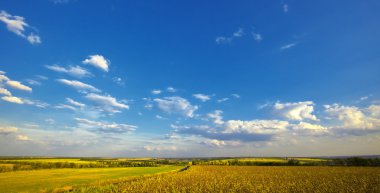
(35, 180)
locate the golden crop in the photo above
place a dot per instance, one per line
(251, 179)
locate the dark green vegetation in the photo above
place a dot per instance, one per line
(16, 164)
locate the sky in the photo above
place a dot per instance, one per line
(189, 78)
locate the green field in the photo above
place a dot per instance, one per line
(35, 180)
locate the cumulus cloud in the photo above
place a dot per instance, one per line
(4, 91)
(256, 126)
(18, 85)
(176, 105)
(288, 46)
(202, 97)
(98, 61)
(296, 111)
(156, 91)
(308, 128)
(80, 86)
(75, 71)
(22, 138)
(6, 130)
(351, 117)
(17, 25)
(12, 99)
(216, 116)
(35, 103)
(105, 126)
(106, 103)
(215, 143)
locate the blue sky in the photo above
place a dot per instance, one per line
(189, 78)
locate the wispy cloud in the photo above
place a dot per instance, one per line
(118, 81)
(202, 97)
(287, 46)
(223, 100)
(106, 103)
(18, 85)
(12, 99)
(171, 89)
(156, 91)
(4, 91)
(75, 103)
(256, 36)
(75, 71)
(105, 126)
(225, 40)
(285, 8)
(80, 86)
(98, 61)
(17, 25)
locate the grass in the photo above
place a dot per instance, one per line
(33, 181)
(250, 179)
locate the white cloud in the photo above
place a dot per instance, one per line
(156, 91)
(374, 110)
(106, 103)
(309, 128)
(18, 85)
(22, 138)
(34, 39)
(98, 61)
(64, 106)
(236, 95)
(256, 36)
(105, 126)
(352, 117)
(215, 143)
(287, 46)
(75, 71)
(33, 82)
(202, 97)
(256, 126)
(75, 103)
(216, 116)
(238, 33)
(363, 98)
(285, 8)
(4, 91)
(5, 130)
(296, 111)
(3, 78)
(17, 25)
(176, 105)
(222, 100)
(12, 99)
(171, 89)
(160, 148)
(224, 40)
(80, 86)
(160, 117)
(35, 103)
(118, 81)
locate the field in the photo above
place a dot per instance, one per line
(35, 180)
(272, 174)
(251, 179)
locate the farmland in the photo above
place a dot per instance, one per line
(243, 174)
(35, 180)
(251, 179)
